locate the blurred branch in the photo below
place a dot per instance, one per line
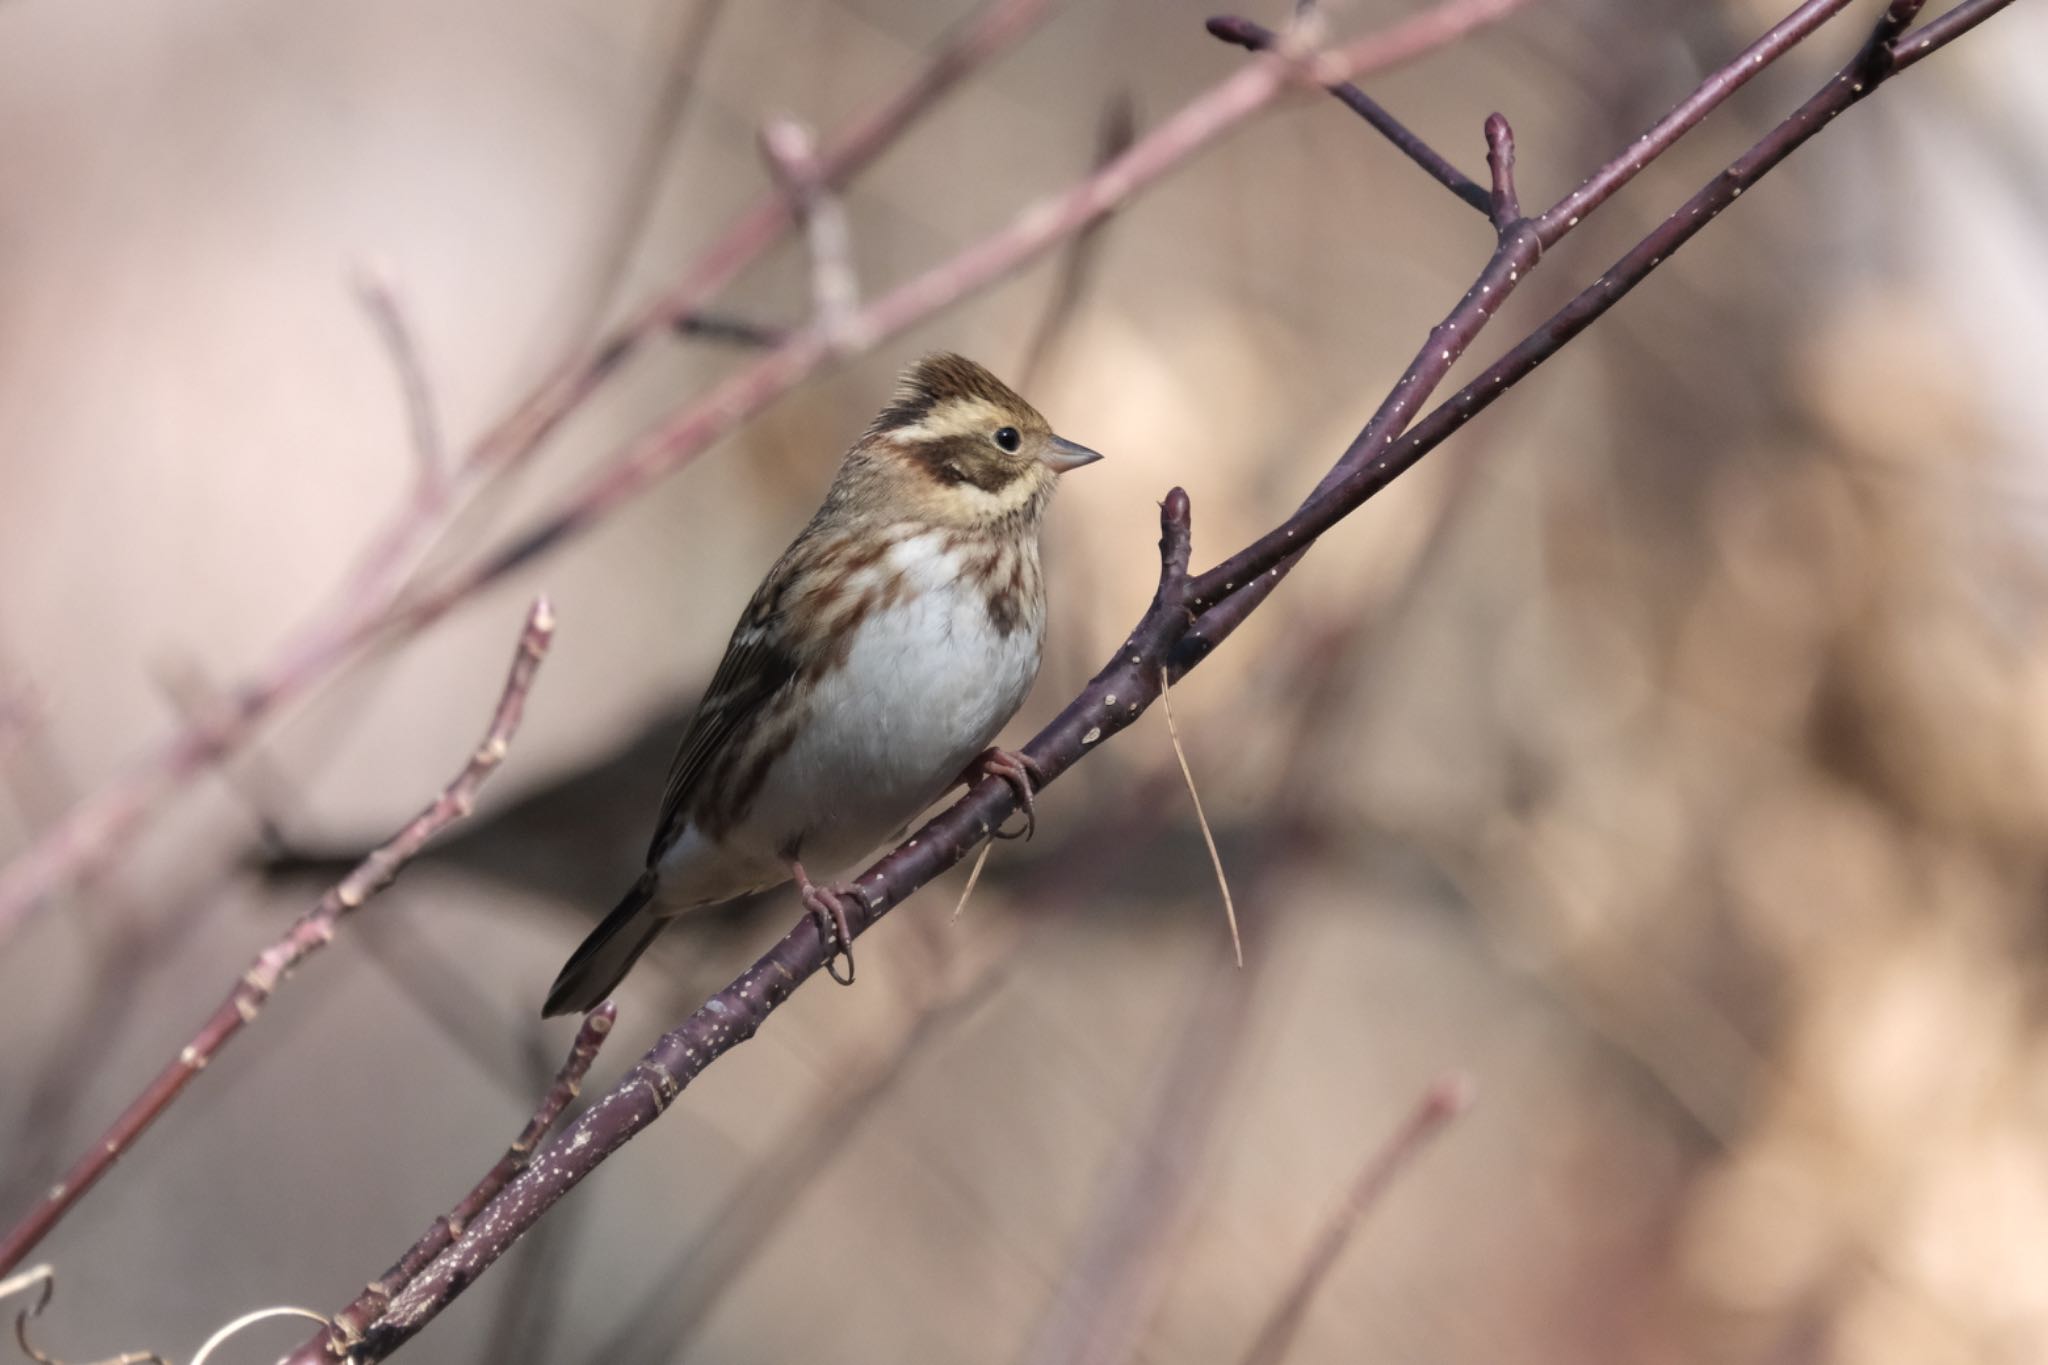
(350, 1321)
(1076, 267)
(379, 298)
(835, 290)
(313, 931)
(1170, 632)
(1113, 1285)
(1443, 1102)
(641, 182)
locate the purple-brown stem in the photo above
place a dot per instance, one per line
(1257, 38)
(1129, 683)
(312, 932)
(1505, 205)
(568, 1084)
(1226, 594)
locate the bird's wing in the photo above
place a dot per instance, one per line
(756, 668)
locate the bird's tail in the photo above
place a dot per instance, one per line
(607, 955)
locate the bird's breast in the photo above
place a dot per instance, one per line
(929, 674)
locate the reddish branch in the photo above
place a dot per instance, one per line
(313, 931)
(1444, 1101)
(350, 1321)
(1187, 617)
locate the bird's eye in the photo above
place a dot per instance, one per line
(1009, 439)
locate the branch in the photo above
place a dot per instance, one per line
(379, 298)
(1443, 1102)
(1129, 683)
(1256, 38)
(313, 931)
(1506, 205)
(792, 156)
(1226, 594)
(350, 1321)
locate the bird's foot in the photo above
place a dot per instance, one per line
(1020, 771)
(827, 905)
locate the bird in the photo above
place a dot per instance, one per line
(870, 672)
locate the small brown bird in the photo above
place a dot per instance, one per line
(876, 662)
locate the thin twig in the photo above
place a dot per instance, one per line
(1256, 38)
(1500, 162)
(379, 298)
(313, 931)
(1115, 132)
(1443, 1102)
(1208, 837)
(347, 1327)
(792, 154)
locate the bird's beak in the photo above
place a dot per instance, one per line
(1062, 455)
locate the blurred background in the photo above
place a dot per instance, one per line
(1669, 753)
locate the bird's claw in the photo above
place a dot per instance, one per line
(1020, 772)
(827, 905)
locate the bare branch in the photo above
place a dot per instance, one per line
(313, 931)
(347, 1327)
(1256, 38)
(1500, 161)
(792, 155)
(1443, 1102)
(1114, 135)
(379, 298)
(1224, 595)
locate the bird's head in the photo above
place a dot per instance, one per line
(957, 447)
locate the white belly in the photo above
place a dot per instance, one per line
(927, 685)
